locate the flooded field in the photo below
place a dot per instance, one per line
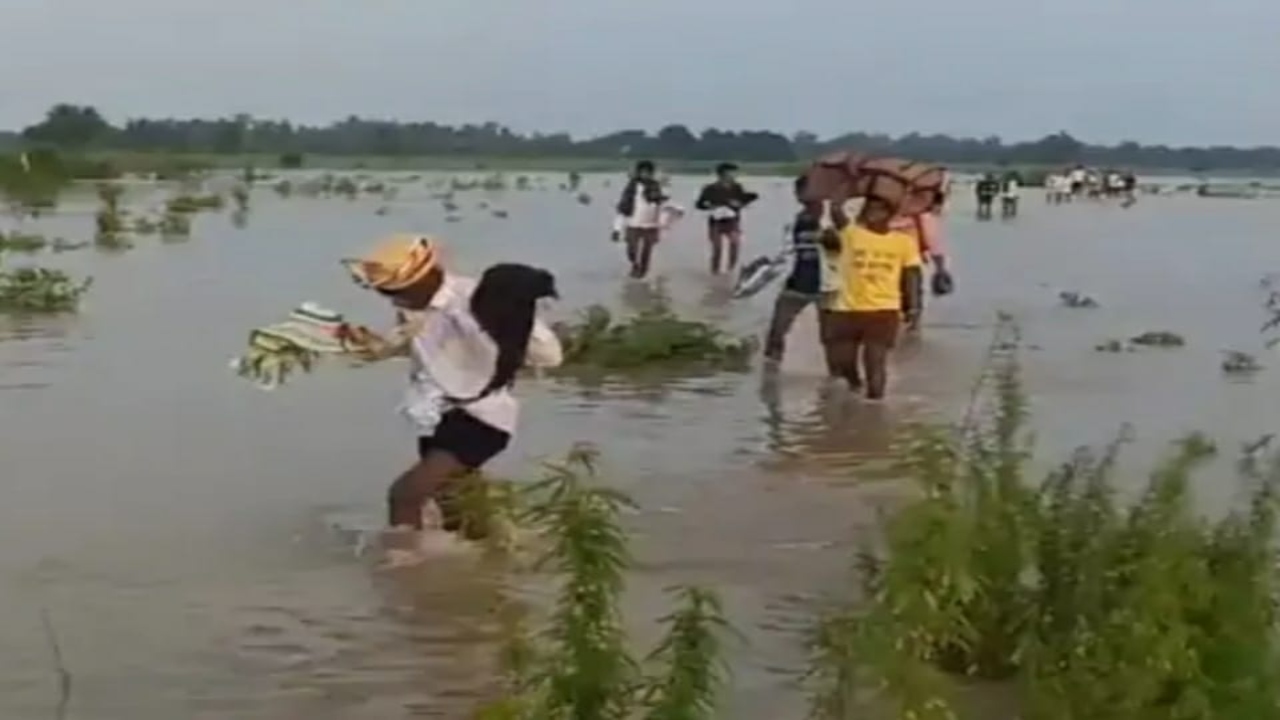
(176, 524)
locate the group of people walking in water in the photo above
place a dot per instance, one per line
(862, 271)
(863, 267)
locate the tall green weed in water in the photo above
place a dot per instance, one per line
(580, 665)
(1089, 607)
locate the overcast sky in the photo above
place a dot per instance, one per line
(1171, 71)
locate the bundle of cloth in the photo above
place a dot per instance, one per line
(296, 344)
(312, 332)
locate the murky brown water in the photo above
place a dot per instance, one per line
(176, 523)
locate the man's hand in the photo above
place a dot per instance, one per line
(615, 236)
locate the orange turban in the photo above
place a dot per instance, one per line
(396, 263)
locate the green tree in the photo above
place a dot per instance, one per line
(69, 126)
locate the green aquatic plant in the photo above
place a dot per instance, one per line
(32, 183)
(22, 242)
(1089, 606)
(580, 665)
(688, 675)
(1158, 338)
(40, 290)
(110, 220)
(653, 338)
(190, 204)
(1236, 362)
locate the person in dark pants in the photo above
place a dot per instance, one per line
(803, 287)
(987, 188)
(724, 201)
(639, 219)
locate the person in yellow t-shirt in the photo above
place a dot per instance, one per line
(879, 286)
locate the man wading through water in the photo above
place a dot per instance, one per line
(466, 341)
(639, 220)
(805, 285)
(1010, 191)
(987, 188)
(880, 288)
(879, 274)
(724, 200)
(926, 228)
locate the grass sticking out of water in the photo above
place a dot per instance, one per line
(655, 338)
(22, 242)
(40, 290)
(580, 665)
(1090, 607)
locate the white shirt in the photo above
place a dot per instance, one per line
(1077, 175)
(644, 214)
(1010, 189)
(453, 356)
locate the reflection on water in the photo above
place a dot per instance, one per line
(29, 349)
(833, 429)
(173, 520)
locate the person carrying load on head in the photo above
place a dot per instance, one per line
(926, 228)
(880, 269)
(467, 340)
(724, 201)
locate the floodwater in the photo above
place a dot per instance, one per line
(175, 524)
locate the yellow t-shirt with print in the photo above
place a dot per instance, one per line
(871, 266)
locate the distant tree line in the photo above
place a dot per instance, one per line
(71, 127)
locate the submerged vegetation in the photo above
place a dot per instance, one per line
(1085, 605)
(655, 338)
(1058, 588)
(579, 663)
(39, 290)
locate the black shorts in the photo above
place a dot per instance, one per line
(471, 440)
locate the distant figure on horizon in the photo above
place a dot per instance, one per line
(986, 189)
(724, 200)
(1057, 188)
(1129, 188)
(639, 219)
(1077, 177)
(1010, 192)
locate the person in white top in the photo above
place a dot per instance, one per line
(641, 214)
(467, 341)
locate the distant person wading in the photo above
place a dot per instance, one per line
(724, 201)
(639, 219)
(1010, 193)
(986, 190)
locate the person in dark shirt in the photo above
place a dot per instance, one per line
(987, 188)
(723, 201)
(1129, 186)
(804, 286)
